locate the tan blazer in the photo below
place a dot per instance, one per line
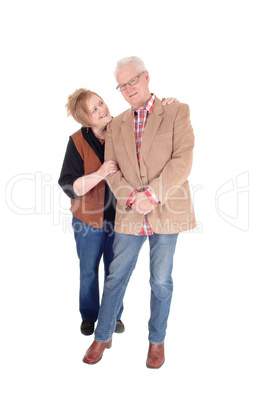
(165, 163)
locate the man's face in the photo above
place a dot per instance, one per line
(138, 94)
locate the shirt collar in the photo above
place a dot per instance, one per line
(148, 105)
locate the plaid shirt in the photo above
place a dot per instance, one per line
(140, 117)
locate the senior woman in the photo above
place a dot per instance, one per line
(82, 178)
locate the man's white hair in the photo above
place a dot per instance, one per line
(136, 61)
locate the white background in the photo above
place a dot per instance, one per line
(200, 52)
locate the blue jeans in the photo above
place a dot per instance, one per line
(92, 243)
(126, 250)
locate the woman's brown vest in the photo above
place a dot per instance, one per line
(89, 207)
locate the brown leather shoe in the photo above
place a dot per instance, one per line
(155, 357)
(95, 352)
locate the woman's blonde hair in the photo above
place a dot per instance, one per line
(77, 106)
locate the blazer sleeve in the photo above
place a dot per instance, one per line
(178, 168)
(120, 187)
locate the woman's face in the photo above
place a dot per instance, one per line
(99, 112)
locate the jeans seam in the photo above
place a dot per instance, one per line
(126, 281)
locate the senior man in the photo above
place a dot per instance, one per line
(153, 146)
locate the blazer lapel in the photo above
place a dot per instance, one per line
(151, 128)
(127, 131)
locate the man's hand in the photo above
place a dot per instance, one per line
(141, 203)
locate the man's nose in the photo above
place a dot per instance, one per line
(129, 88)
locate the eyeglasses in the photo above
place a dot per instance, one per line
(132, 82)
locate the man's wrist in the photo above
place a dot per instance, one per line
(151, 196)
(128, 203)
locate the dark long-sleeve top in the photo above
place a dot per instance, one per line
(73, 168)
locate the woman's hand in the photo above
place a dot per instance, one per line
(167, 101)
(83, 184)
(109, 167)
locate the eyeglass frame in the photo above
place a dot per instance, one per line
(128, 83)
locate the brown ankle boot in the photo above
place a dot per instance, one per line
(155, 357)
(95, 352)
